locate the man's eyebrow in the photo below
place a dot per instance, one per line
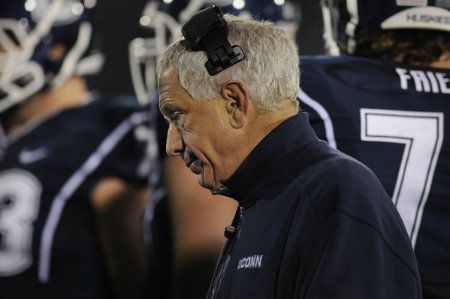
(168, 109)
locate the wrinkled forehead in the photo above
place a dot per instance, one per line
(169, 84)
(168, 79)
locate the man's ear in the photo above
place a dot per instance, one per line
(237, 102)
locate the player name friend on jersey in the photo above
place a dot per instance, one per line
(424, 81)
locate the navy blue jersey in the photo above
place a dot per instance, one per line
(48, 242)
(395, 119)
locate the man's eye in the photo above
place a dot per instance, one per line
(175, 116)
(172, 115)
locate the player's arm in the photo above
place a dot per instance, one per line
(199, 219)
(119, 207)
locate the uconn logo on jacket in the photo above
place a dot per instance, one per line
(250, 262)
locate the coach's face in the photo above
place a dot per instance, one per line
(199, 131)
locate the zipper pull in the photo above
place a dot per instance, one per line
(230, 232)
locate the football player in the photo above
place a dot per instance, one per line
(385, 101)
(73, 172)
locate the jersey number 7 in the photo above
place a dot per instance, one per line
(422, 134)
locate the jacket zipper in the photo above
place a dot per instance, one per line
(225, 256)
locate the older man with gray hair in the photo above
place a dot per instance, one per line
(311, 222)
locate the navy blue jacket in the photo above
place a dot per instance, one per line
(312, 223)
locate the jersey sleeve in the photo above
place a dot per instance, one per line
(130, 159)
(127, 150)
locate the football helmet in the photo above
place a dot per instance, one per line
(163, 19)
(344, 20)
(29, 30)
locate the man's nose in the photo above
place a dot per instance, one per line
(174, 142)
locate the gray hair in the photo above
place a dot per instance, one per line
(270, 69)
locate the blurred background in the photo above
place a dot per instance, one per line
(120, 19)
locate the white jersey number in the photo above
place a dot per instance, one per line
(20, 195)
(422, 134)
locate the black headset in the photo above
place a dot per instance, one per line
(207, 31)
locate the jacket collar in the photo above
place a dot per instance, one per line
(263, 166)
